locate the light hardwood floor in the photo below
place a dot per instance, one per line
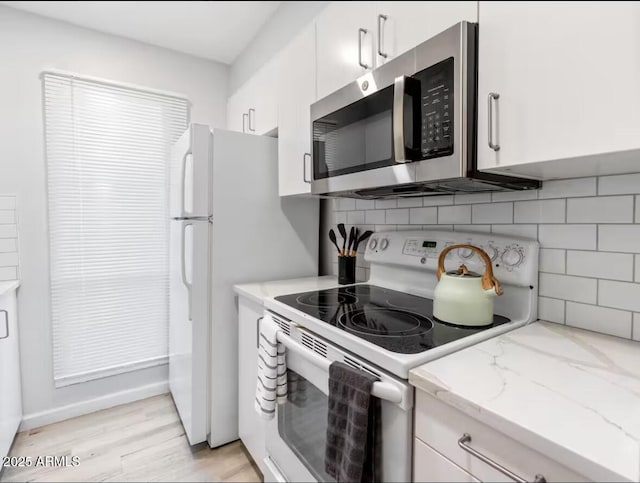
(141, 441)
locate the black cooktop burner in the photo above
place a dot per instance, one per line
(396, 321)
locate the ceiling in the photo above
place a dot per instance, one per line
(214, 30)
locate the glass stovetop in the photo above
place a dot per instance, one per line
(396, 321)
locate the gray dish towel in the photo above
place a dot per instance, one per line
(350, 453)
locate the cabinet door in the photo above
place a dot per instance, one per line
(11, 393)
(408, 24)
(567, 75)
(261, 99)
(297, 91)
(338, 37)
(251, 427)
(429, 465)
(237, 111)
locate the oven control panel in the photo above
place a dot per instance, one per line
(514, 260)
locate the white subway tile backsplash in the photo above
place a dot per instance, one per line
(600, 319)
(355, 217)
(619, 238)
(9, 259)
(341, 217)
(552, 260)
(621, 184)
(520, 231)
(8, 245)
(619, 295)
(466, 199)
(473, 228)
(568, 288)
(568, 188)
(615, 266)
(7, 216)
(540, 211)
(399, 216)
(492, 213)
(514, 195)
(603, 209)
(8, 273)
(365, 204)
(384, 204)
(374, 217)
(579, 237)
(423, 216)
(409, 202)
(8, 231)
(551, 310)
(438, 200)
(588, 229)
(345, 204)
(454, 214)
(7, 202)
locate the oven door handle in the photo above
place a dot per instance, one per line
(381, 390)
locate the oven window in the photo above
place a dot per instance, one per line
(302, 423)
(356, 138)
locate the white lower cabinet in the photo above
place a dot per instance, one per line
(439, 428)
(251, 427)
(429, 465)
(11, 389)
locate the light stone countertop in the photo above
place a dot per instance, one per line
(571, 394)
(8, 286)
(262, 290)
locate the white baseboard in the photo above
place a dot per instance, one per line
(35, 420)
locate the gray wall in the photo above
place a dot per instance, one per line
(288, 20)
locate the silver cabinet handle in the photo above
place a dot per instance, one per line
(252, 120)
(463, 443)
(244, 119)
(361, 32)
(258, 332)
(492, 96)
(381, 20)
(304, 167)
(6, 323)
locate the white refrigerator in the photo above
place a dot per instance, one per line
(228, 226)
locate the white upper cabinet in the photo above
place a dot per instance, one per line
(567, 77)
(296, 93)
(345, 44)
(401, 26)
(253, 108)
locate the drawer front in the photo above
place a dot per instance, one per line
(441, 426)
(429, 465)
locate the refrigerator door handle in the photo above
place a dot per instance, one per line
(183, 262)
(183, 182)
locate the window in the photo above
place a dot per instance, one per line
(107, 151)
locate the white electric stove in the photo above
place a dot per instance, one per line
(385, 326)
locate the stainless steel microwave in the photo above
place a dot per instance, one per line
(407, 128)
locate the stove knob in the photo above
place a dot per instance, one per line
(512, 257)
(373, 244)
(384, 244)
(492, 252)
(465, 252)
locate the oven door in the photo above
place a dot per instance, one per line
(296, 436)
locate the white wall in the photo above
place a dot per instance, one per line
(29, 44)
(288, 20)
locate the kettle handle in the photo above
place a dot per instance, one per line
(488, 279)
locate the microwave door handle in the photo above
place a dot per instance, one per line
(399, 150)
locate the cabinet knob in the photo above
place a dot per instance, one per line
(492, 96)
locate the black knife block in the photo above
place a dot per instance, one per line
(346, 270)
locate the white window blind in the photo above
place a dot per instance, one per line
(108, 149)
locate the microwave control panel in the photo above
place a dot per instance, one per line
(436, 101)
